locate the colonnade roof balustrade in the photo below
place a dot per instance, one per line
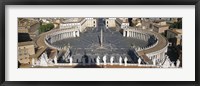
(162, 43)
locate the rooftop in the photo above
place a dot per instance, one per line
(161, 24)
(25, 43)
(72, 20)
(176, 31)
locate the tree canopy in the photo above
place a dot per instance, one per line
(45, 28)
(177, 24)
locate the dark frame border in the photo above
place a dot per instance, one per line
(3, 3)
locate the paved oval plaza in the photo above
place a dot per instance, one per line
(99, 45)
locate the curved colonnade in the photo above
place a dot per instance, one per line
(60, 34)
(156, 49)
(146, 36)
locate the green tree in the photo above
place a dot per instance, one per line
(177, 24)
(45, 28)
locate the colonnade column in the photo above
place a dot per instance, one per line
(78, 34)
(138, 35)
(74, 34)
(128, 33)
(67, 34)
(131, 33)
(56, 37)
(143, 36)
(124, 33)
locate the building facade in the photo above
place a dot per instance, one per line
(117, 22)
(110, 22)
(174, 36)
(160, 27)
(80, 24)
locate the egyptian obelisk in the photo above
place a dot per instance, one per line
(101, 38)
